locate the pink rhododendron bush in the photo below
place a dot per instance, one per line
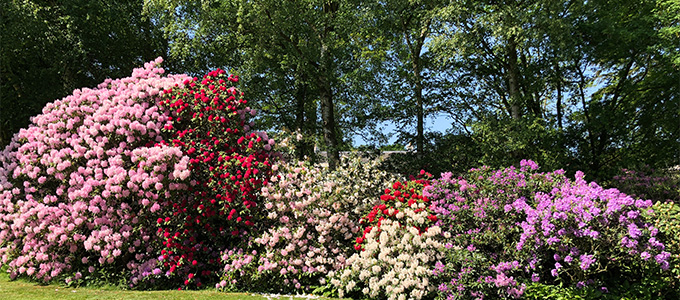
(78, 187)
(144, 178)
(311, 226)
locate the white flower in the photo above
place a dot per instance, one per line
(350, 285)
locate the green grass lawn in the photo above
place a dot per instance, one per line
(20, 289)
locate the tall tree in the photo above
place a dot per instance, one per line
(399, 40)
(560, 81)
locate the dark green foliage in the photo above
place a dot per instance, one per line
(648, 289)
(444, 152)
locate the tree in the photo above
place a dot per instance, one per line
(295, 50)
(568, 82)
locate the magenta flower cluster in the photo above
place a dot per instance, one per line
(510, 227)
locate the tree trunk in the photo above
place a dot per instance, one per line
(326, 91)
(513, 79)
(558, 80)
(415, 48)
(328, 117)
(418, 94)
(301, 123)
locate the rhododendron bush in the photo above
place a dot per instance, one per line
(78, 186)
(513, 227)
(311, 226)
(397, 247)
(151, 175)
(229, 163)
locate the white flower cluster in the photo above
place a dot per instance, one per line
(396, 262)
(358, 184)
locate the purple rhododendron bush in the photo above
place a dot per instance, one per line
(505, 230)
(508, 233)
(143, 178)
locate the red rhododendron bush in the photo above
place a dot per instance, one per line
(145, 177)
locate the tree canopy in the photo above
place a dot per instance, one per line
(589, 85)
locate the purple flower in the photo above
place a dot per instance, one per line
(645, 255)
(528, 163)
(586, 261)
(553, 240)
(662, 257)
(634, 231)
(438, 268)
(503, 280)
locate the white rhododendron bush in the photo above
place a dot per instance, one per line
(311, 226)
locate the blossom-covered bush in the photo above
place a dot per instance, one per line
(229, 162)
(310, 228)
(80, 186)
(506, 228)
(666, 218)
(156, 175)
(397, 248)
(647, 183)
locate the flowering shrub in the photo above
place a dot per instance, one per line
(666, 217)
(397, 248)
(359, 182)
(506, 228)
(310, 229)
(93, 182)
(80, 186)
(228, 162)
(648, 183)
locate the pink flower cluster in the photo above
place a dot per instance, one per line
(79, 186)
(310, 233)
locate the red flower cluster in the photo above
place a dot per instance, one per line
(408, 194)
(229, 164)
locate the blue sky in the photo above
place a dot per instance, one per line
(438, 123)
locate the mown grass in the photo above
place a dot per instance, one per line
(24, 290)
